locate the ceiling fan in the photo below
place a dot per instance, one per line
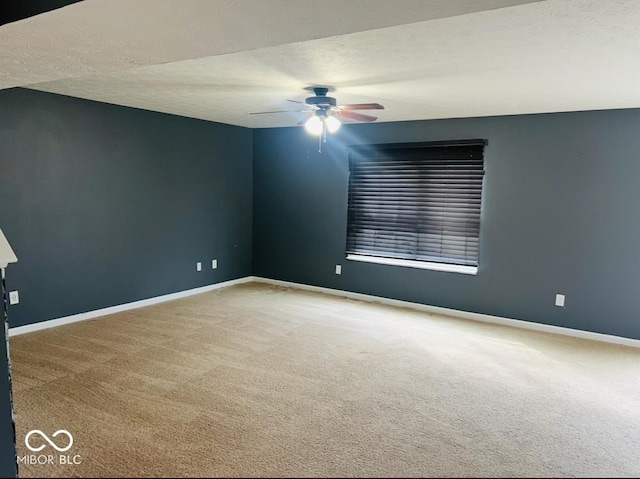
(324, 112)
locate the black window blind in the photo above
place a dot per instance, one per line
(416, 201)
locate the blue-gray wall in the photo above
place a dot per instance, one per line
(106, 205)
(560, 215)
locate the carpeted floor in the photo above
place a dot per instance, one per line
(257, 380)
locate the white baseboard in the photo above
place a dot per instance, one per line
(516, 323)
(52, 323)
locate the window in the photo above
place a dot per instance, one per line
(416, 204)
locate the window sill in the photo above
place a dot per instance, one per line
(449, 268)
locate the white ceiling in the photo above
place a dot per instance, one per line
(221, 60)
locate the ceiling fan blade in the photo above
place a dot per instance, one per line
(276, 111)
(308, 115)
(362, 106)
(296, 101)
(357, 116)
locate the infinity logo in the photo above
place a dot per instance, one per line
(46, 438)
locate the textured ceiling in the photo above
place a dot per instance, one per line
(554, 55)
(101, 36)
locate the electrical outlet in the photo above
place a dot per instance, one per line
(560, 300)
(14, 297)
(214, 264)
(338, 269)
(198, 266)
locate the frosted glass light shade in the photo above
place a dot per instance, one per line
(314, 125)
(6, 253)
(333, 124)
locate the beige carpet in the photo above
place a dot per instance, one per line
(257, 380)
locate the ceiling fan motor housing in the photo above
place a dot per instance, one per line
(321, 100)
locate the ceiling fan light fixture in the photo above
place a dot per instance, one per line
(333, 124)
(314, 125)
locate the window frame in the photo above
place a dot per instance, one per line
(444, 266)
